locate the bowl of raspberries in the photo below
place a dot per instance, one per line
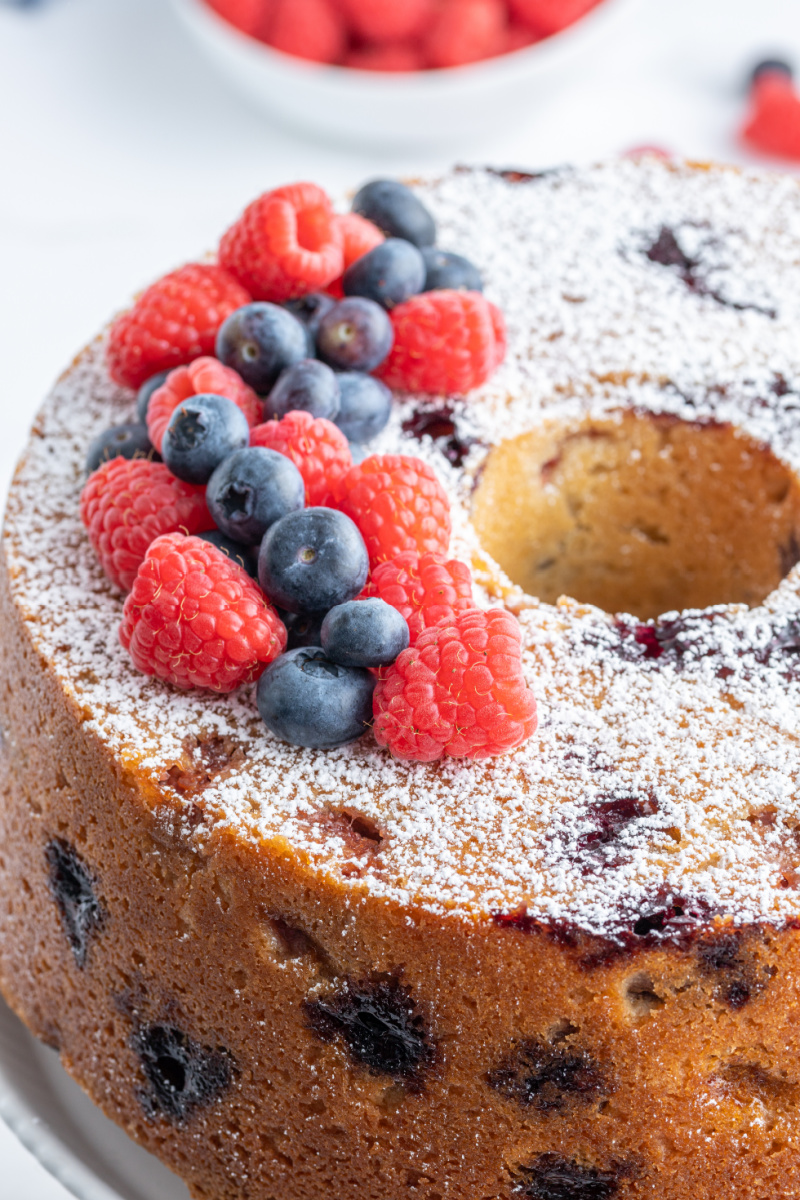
(254, 534)
(399, 72)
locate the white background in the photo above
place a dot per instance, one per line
(122, 155)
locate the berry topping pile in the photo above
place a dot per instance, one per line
(251, 544)
(400, 35)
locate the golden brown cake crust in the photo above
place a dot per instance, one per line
(586, 957)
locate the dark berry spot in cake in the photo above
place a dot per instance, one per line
(745, 1080)
(181, 1074)
(379, 1024)
(666, 251)
(440, 426)
(73, 888)
(553, 1177)
(608, 818)
(727, 958)
(546, 1077)
(703, 270)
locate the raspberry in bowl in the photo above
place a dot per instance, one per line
(391, 72)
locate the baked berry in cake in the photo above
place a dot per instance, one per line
(397, 938)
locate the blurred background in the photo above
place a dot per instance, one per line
(132, 132)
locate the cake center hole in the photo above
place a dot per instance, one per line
(642, 514)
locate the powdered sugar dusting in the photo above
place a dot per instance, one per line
(650, 778)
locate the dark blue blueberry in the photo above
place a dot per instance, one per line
(364, 633)
(390, 274)
(307, 700)
(552, 1177)
(309, 386)
(245, 556)
(146, 391)
(365, 405)
(309, 311)
(302, 629)
(444, 269)
(203, 431)
(771, 66)
(72, 888)
(259, 341)
(311, 560)
(396, 211)
(355, 335)
(252, 489)
(546, 1077)
(127, 441)
(181, 1074)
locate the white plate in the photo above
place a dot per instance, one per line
(89, 1155)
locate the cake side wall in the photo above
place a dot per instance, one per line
(226, 943)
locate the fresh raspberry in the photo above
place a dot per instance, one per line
(459, 692)
(127, 503)
(251, 16)
(202, 377)
(171, 323)
(444, 342)
(195, 618)
(773, 125)
(398, 504)
(286, 243)
(518, 36)
(465, 31)
(550, 16)
(387, 56)
(359, 236)
(317, 448)
(424, 588)
(311, 29)
(388, 20)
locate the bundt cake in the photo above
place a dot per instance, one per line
(567, 973)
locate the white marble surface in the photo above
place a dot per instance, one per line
(121, 154)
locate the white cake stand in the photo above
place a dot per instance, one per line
(56, 1121)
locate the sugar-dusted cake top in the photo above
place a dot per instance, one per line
(661, 780)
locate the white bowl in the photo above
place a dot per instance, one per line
(421, 107)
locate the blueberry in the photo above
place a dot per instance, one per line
(259, 341)
(203, 431)
(309, 386)
(245, 556)
(444, 269)
(181, 1074)
(390, 274)
(311, 560)
(146, 391)
(302, 629)
(252, 489)
(552, 1177)
(355, 335)
(364, 408)
(364, 633)
(309, 311)
(771, 66)
(72, 888)
(127, 441)
(307, 700)
(396, 211)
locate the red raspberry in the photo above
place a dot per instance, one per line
(203, 376)
(317, 448)
(550, 16)
(426, 589)
(127, 503)
(459, 692)
(286, 243)
(195, 618)
(388, 56)
(518, 37)
(388, 20)
(773, 126)
(444, 342)
(465, 31)
(398, 504)
(175, 320)
(251, 16)
(311, 29)
(359, 236)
